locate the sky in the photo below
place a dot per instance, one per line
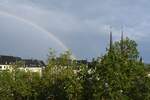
(28, 28)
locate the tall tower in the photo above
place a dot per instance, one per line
(121, 41)
(111, 40)
(141, 59)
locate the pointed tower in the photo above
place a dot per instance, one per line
(141, 60)
(122, 38)
(111, 41)
(121, 41)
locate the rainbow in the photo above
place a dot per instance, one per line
(34, 25)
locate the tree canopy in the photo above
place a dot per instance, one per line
(117, 75)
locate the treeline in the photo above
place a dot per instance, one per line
(117, 75)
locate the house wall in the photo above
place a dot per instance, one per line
(5, 67)
(31, 69)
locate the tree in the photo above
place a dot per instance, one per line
(126, 48)
(119, 71)
(59, 79)
(6, 85)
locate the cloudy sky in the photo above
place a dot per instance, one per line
(29, 27)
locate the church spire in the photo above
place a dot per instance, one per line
(122, 38)
(141, 59)
(111, 41)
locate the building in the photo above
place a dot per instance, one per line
(6, 61)
(31, 65)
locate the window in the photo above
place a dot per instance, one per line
(0, 67)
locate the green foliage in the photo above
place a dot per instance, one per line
(127, 48)
(119, 71)
(118, 75)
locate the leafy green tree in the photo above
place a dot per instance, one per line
(118, 75)
(59, 79)
(119, 71)
(16, 84)
(6, 85)
(126, 48)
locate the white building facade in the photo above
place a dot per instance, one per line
(8, 62)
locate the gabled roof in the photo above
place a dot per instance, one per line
(4, 60)
(8, 59)
(33, 63)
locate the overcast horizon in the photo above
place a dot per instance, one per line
(28, 28)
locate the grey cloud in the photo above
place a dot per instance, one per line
(84, 25)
